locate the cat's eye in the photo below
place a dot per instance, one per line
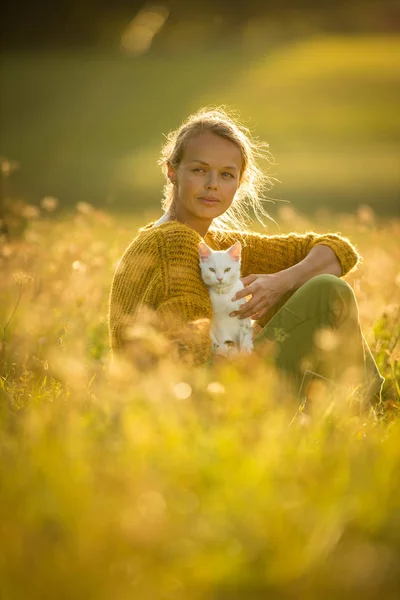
(228, 269)
(212, 270)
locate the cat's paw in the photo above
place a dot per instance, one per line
(247, 348)
(231, 349)
(227, 350)
(220, 351)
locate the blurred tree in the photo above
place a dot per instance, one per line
(42, 25)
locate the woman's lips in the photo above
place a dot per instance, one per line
(209, 200)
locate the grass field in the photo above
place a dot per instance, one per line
(89, 126)
(184, 483)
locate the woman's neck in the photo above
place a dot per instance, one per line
(173, 215)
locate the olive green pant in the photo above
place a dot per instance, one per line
(318, 330)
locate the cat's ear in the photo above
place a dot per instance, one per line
(204, 251)
(235, 251)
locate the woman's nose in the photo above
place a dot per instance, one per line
(212, 181)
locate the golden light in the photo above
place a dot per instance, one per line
(182, 390)
(49, 203)
(215, 387)
(326, 339)
(139, 34)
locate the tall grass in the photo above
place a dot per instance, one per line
(171, 482)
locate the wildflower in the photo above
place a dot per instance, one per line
(366, 214)
(49, 203)
(30, 212)
(78, 265)
(8, 166)
(22, 278)
(84, 208)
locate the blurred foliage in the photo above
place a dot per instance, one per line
(91, 23)
(173, 482)
(89, 125)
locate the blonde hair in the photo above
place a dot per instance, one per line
(252, 179)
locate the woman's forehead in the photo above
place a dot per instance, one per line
(212, 149)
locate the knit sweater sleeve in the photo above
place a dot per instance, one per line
(185, 310)
(135, 284)
(270, 254)
(160, 271)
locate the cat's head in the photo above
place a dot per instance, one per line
(220, 267)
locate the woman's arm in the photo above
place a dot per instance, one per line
(283, 263)
(160, 273)
(135, 279)
(267, 289)
(185, 310)
(321, 259)
(270, 254)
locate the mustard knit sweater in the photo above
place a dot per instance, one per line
(160, 271)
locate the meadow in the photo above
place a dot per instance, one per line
(157, 481)
(167, 482)
(88, 126)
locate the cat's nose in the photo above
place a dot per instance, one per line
(219, 279)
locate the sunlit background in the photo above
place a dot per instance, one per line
(154, 480)
(89, 89)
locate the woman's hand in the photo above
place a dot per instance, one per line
(265, 291)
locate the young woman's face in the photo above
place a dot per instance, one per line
(207, 178)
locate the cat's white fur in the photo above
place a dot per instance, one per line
(220, 270)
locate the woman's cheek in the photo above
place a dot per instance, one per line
(232, 189)
(194, 181)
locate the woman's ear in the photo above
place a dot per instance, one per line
(171, 173)
(235, 251)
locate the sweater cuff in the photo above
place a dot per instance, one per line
(346, 254)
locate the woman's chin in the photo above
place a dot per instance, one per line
(212, 210)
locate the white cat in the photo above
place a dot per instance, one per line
(220, 270)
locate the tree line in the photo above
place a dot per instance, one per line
(25, 24)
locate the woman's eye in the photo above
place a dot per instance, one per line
(229, 175)
(212, 270)
(228, 269)
(198, 170)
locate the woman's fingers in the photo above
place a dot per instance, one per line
(247, 291)
(249, 279)
(246, 306)
(250, 308)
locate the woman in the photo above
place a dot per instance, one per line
(294, 282)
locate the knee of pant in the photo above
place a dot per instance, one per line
(336, 294)
(330, 283)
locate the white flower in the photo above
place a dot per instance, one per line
(49, 203)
